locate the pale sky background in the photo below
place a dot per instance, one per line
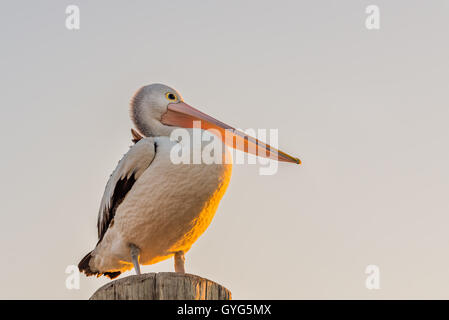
(366, 111)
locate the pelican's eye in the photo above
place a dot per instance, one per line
(170, 96)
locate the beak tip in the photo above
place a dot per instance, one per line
(295, 160)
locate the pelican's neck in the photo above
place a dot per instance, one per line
(148, 121)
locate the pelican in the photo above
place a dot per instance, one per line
(153, 209)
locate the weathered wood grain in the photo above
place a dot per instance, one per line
(162, 286)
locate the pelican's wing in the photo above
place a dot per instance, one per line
(129, 169)
(136, 136)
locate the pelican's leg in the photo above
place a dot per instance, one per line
(179, 261)
(135, 257)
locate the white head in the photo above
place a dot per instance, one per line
(157, 110)
(148, 106)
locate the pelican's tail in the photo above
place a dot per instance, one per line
(84, 266)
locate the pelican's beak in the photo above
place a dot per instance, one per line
(182, 115)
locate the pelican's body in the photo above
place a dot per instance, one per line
(153, 207)
(166, 210)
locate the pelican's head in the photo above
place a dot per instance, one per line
(157, 110)
(148, 106)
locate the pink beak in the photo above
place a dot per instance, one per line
(182, 115)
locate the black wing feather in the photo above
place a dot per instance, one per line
(122, 187)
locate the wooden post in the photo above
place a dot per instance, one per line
(162, 286)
